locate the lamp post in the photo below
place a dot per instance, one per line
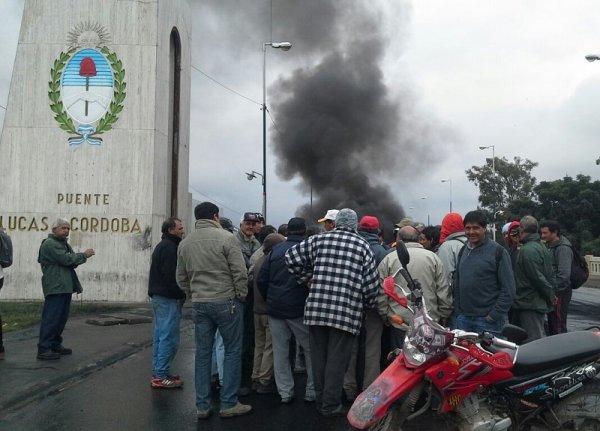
(284, 46)
(250, 176)
(449, 180)
(424, 198)
(493, 147)
(591, 58)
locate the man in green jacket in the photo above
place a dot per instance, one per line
(534, 278)
(59, 282)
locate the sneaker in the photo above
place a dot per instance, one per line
(174, 377)
(266, 389)
(48, 356)
(62, 350)
(310, 398)
(238, 410)
(244, 391)
(287, 400)
(204, 414)
(165, 383)
(339, 411)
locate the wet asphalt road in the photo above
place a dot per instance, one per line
(120, 398)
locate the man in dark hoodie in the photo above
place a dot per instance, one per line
(285, 299)
(167, 300)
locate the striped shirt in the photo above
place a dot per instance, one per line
(343, 274)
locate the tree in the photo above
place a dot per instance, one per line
(511, 182)
(575, 204)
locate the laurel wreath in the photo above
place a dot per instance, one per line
(116, 105)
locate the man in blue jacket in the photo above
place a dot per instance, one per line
(285, 299)
(484, 280)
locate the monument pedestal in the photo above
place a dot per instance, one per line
(96, 132)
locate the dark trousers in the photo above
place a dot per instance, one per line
(54, 319)
(330, 352)
(1, 342)
(557, 319)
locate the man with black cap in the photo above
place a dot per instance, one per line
(341, 273)
(285, 300)
(249, 244)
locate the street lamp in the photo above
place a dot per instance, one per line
(591, 58)
(493, 147)
(449, 180)
(250, 176)
(423, 198)
(284, 46)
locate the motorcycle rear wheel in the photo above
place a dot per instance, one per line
(581, 410)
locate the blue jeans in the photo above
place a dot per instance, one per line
(167, 317)
(227, 318)
(479, 324)
(54, 318)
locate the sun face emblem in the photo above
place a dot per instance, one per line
(87, 86)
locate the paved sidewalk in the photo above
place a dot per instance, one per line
(24, 378)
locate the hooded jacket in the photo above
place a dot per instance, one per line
(534, 276)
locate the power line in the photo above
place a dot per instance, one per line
(225, 87)
(214, 200)
(3, 107)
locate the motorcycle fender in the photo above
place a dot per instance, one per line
(372, 404)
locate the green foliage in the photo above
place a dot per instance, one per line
(511, 182)
(575, 204)
(54, 94)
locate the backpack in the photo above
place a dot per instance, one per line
(6, 250)
(579, 269)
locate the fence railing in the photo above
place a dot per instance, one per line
(593, 265)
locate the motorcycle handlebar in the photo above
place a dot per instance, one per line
(503, 343)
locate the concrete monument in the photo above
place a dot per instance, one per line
(97, 132)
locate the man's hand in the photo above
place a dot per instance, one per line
(89, 252)
(489, 319)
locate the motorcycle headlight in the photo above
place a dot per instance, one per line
(412, 354)
(425, 339)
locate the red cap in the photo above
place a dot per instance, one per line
(369, 222)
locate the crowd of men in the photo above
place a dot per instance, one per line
(304, 299)
(278, 301)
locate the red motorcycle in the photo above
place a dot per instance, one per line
(479, 382)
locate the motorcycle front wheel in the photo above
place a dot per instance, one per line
(390, 422)
(581, 410)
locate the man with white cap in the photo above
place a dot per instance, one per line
(329, 219)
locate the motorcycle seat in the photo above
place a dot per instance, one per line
(556, 351)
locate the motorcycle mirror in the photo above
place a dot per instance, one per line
(514, 333)
(402, 252)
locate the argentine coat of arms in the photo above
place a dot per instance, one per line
(87, 86)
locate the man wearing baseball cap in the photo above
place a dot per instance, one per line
(329, 219)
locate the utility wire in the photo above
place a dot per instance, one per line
(225, 87)
(3, 107)
(214, 200)
(273, 121)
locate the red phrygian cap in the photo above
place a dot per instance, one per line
(87, 67)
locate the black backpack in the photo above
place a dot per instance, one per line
(6, 250)
(579, 269)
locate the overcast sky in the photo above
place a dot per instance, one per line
(453, 76)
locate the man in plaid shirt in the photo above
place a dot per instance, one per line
(340, 269)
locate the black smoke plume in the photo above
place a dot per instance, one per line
(339, 128)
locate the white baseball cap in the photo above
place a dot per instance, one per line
(331, 215)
